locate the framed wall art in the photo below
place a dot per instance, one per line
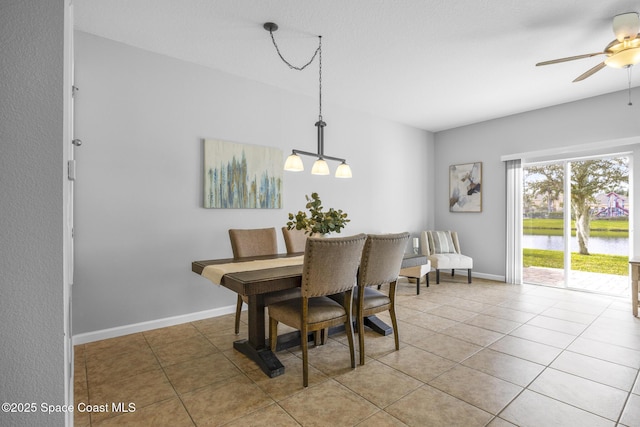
(465, 187)
(242, 176)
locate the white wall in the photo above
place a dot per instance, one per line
(603, 120)
(139, 220)
(31, 208)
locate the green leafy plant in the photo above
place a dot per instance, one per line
(317, 221)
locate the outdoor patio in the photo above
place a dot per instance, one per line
(608, 284)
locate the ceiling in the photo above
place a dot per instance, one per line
(432, 64)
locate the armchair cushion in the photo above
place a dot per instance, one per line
(441, 242)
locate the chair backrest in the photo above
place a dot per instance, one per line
(253, 242)
(331, 265)
(441, 242)
(381, 258)
(294, 240)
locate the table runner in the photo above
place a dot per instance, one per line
(216, 271)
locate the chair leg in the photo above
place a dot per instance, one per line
(427, 276)
(418, 286)
(469, 275)
(361, 337)
(394, 323)
(273, 333)
(305, 357)
(238, 312)
(437, 277)
(453, 272)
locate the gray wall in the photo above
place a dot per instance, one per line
(600, 120)
(31, 208)
(139, 220)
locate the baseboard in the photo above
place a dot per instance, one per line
(152, 324)
(488, 276)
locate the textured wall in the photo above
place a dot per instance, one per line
(31, 198)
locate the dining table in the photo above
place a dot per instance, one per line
(261, 279)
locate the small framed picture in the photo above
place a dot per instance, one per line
(465, 187)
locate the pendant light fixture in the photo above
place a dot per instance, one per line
(294, 161)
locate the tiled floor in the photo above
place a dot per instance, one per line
(485, 354)
(610, 284)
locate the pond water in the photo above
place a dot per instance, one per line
(597, 245)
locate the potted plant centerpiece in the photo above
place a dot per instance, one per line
(317, 222)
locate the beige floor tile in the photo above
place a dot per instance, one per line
(164, 336)
(631, 413)
(622, 338)
(569, 315)
(477, 388)
(597, 370)
(225, 401)
(447, 347)
(565, 326)
(224, 339)
(272, 415)
(452, 313)
(535, 410)
(636, 388)
(169, 413)
(522, 304)
(499, 422)
(331, 359)
(214, 324)
(113, 347)
(381, 419)
(327, 404)
(417, 363)
(379, 383)
(612, 353)
(509, 368)
(585, 394)
(493, 323)
(196, 373)
(591, 307)
(473, 334)
(475, 306)
(430, 321)
(100, 371)
(376, 345)
(525, 349)
(543, 336)
(509, 314)
(142, 390)
(182, 350)
(429, 406)
(290, 382)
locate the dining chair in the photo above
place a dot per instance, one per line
(380, 264)
(294, 240)
(248, 243)
(330, 267)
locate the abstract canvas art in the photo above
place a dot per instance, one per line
(242, 176)
(465, 187)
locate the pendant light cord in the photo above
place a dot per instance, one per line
(317, 53)
(629, 76)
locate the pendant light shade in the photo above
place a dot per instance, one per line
(624, 58)
(320, 167)
(343, 171)
(294, 163)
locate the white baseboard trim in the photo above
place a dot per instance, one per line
(489, 276)
(149, 325)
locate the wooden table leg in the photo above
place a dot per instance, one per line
(255, 347)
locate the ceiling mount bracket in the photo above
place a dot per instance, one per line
(270, 26)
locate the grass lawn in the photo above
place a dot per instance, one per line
(595, 263)
(599, 227)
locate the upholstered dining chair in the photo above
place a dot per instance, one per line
(444, 253)
(330, 267)
(248, 243)
(380, 264)
(294, 240)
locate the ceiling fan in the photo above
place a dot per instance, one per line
(623, 52)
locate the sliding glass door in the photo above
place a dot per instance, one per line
(576, 224)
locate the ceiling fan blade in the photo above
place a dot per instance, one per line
(569, 58)
(589, 73)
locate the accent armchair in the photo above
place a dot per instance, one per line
(443, 250)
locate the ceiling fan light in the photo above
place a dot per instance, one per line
(624, 58)
(343, 171)
(626, 26)
(293, 163)
(320, 167)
